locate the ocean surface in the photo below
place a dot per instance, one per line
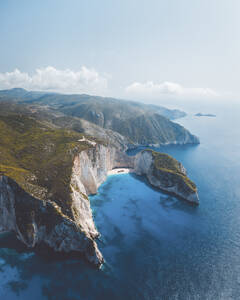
(155, 246)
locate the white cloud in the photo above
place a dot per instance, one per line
(89, 81)
(51, 79)
(151, 90)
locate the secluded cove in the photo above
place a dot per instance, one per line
(155, 246)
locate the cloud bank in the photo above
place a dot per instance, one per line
(89, 81)
(151, 90)
(51, 79)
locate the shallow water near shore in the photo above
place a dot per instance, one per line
(155, 246)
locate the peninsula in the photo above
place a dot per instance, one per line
(47, 172)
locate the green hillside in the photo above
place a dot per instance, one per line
(139, 123)
(170, 171)
(38, 157)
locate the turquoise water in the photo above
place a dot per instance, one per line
(155, 246)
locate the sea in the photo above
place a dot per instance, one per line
(155, 246)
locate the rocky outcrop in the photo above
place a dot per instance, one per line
(167, 174)
(36, 222)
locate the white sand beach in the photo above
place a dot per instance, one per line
(120, 171)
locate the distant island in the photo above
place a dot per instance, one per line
(205, 115)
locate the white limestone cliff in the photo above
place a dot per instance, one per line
(42, 222)
(36, 221)
(144, 165)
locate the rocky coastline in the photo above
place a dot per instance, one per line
(172, 180)
(36, 221)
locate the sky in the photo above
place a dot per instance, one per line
(147, 50)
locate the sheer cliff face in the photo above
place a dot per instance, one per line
(38, 221)
(92, 165)
(170, 177)
(90, 170)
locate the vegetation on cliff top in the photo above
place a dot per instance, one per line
(165, 164)
(38, 157)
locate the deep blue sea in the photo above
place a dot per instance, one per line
(155, 246)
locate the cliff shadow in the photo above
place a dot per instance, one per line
(167, 200)
(8, 240)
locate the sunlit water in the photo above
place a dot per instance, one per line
(155, 246)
